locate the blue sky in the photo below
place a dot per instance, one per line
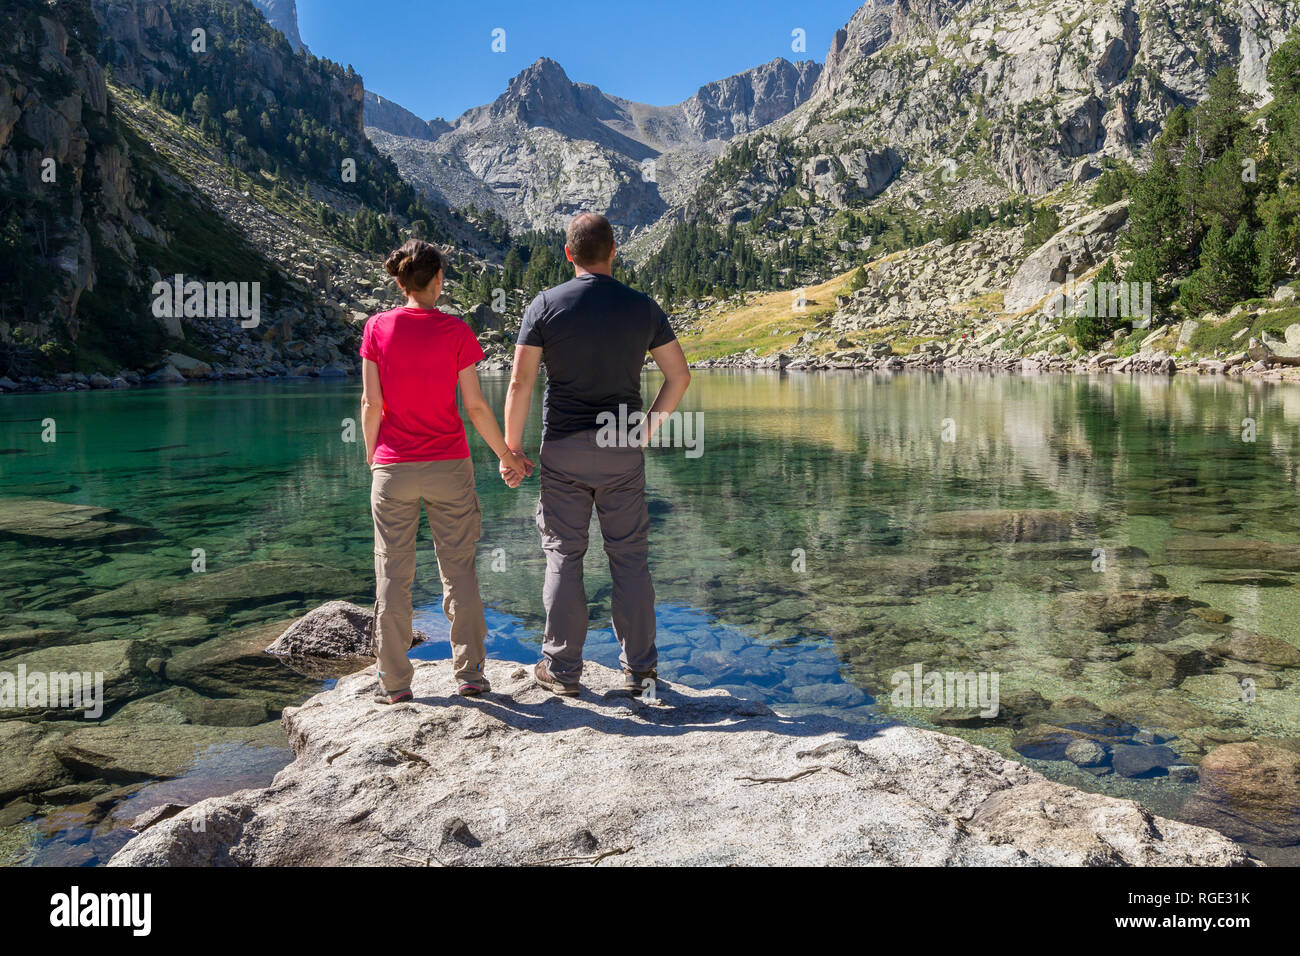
(436, 58)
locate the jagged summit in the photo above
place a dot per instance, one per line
(283, 15)
(548, 146)
(543, 95)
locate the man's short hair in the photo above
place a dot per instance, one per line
(590, 239)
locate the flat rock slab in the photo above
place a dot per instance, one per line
(43, 520)
(1247, 553)
(696, 777)
(1010, 526)
(123, 665)
(128, 753)
(28, 764)
(215, 592)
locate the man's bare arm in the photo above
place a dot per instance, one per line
(528, 358)
(677, 377)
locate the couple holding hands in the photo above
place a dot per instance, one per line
(592, 334)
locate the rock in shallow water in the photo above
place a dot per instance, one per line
(336, 631)
(1006, 525)
(1085, 753)
(54, 522)
(1111, 610)
(124, 667)
(28, 764)
(1258, 649)
(1248, 553)
(254, 584)
(700, 778)
(1137, 760)
(127, 752)
(1250, 791)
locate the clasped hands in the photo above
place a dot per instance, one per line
(515, 467)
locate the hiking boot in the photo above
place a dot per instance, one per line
(634, 681)
(393, 697)
(551, 683)
(474, 688)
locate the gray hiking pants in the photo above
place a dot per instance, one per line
(576, 474)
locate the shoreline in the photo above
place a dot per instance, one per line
(1101, 364)
(1109, 365)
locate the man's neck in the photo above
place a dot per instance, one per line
(594, 270)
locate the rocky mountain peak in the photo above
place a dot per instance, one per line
(869, 29)
(283, 15)
(928, 15)
(744, 102)
(543, 95)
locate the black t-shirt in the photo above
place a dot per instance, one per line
(594, 333)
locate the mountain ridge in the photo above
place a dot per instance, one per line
(546, 128)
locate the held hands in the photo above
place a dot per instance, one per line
(514, 468)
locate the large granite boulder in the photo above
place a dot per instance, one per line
(333, 639)
(689, 777)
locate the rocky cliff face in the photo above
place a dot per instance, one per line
(549, 147)
(978, 99)
(744, 102)
(147, 47)
(69, 201)
(283, 15)
(102, 193)
(388, 117)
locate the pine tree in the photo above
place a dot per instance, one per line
(1094, 325)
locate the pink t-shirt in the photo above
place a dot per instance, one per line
(420, 353)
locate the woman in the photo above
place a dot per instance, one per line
(414, 357)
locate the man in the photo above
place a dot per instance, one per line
(593, 333)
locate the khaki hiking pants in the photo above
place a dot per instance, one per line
(447, 490)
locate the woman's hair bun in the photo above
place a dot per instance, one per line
(415, 264)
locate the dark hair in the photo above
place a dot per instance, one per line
(590, 239)
(414, 265)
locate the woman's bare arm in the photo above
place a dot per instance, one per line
(372, 407)
(485, 423)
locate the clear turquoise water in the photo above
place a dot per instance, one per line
(794, 559)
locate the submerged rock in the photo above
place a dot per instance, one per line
(254, 584)
(236, 665)
(1137, 760)
(1085, 753)
(126, 752)
(1251, 792)
(1111, 610)
(1165, 710)
(28, 764)
(43, 520)
(1258, 649)
(180, 705)
(123, 665)
(1006, 525)
(1248, 553)
(697, 777)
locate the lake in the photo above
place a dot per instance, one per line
(1116, 557)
